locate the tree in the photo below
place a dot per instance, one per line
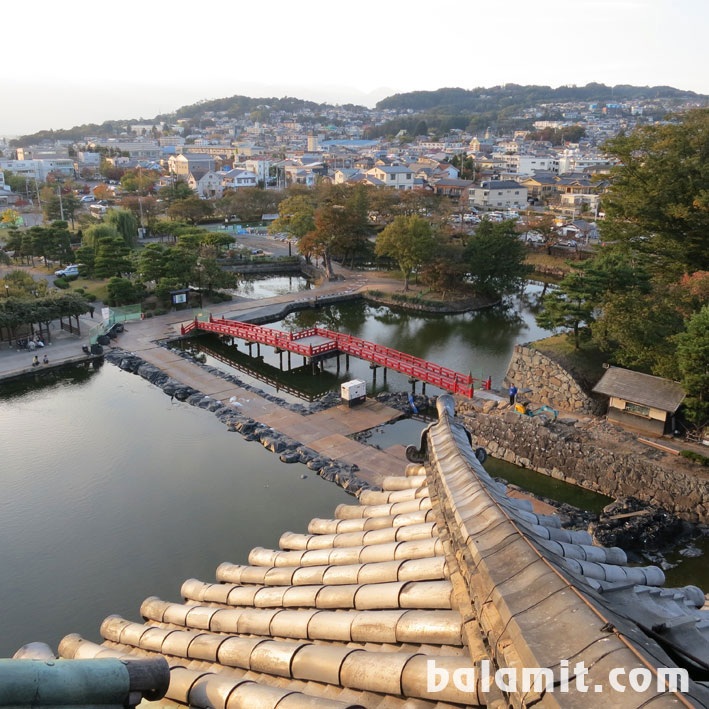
(145, 208)
(192, 209)
(138, 180)
(125, 223)
(606, 287)
(95, 233)
(103, 192)
(569, 307)
(122, 292)
(164, 287)
(85, 255)
(693, 363)
(409, 241)
(151, 262)
(295, 216)
(658, 200)
(212, 276)
(10, 216)
(249, 203)
(111, 258)
(177, 190)
(180, 264)
(54, 209)
(495, 259)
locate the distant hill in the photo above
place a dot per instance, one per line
(235, 106)
(239, 106)
(453, 101)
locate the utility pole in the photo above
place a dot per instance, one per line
(61, 204)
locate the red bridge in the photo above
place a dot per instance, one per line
(316, 342)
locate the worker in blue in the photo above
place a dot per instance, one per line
(513, 394)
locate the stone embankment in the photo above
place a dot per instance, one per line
(576, 453)
(451, 307)
(288, 449)
(549, 382)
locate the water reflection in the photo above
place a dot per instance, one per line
(258, 286)
(480, 342)
(112, 492)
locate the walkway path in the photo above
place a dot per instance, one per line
(325, 431)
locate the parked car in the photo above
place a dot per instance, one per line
(87, 198)
(71, 270)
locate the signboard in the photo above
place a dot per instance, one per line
(105, 314)
(179, 298)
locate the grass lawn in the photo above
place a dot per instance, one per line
(96, 286)
(541, 259)
(585, 363)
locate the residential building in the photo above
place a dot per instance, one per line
(541, 186)
(259, 166)
(495, 195)
(531, 164)
(183, 165)
(457, 190)
(237, 178)
(208, 185)
(397, 176)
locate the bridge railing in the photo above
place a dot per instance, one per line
(355, 344)
(415, 367)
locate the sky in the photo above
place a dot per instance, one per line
(81, 61)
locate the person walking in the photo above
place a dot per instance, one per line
(513, 394)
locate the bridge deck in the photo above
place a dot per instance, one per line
(317, 341)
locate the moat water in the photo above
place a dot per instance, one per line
(111, 492)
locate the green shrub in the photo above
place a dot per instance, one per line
(60, 283)
(90, 297)
(696, 457)
(80, 291)
(148, 314)
(70, 278)
(160, 311)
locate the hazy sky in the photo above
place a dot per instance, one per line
(81, 61)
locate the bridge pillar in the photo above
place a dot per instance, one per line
(423, 388)
(258, 349)
(338, 362)
(413, 381)
(280, 356)
(289, 360)
(305, 360)
(385, 373)
(347, 362)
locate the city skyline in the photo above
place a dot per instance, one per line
(141, 62)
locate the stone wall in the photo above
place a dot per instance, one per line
(549, 382)
(569, 453)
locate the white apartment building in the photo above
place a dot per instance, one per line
(39, 169)
(529, 164)
(494, 195)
